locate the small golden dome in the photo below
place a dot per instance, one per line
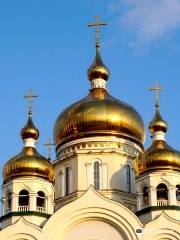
(158, 124)
(98, 69)
(29, 130)
(28, 163)
(160, 156)
(99, 114)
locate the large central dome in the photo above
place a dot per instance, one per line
(99, 114)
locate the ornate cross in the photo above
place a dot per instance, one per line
(30, 97)
(97, 24)
(156, 89)
(48, 145)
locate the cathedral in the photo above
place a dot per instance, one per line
(103, 183)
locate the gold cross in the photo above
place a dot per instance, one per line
(48, 145)
(156, 89)
(97, 24)
(30, 96)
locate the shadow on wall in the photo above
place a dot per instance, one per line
(122, 184)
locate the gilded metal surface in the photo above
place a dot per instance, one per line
(159, 156)
(158, 124)
(28, 163)
(99, 114)
(29, 130)
(98, 69)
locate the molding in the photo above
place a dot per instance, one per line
(157, 208)
(105, 147)
(27, 213)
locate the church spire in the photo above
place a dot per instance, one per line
(98, 73)
(30, 133)
(158, 126)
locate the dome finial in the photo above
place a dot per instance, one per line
(97, 24)
(30, 133)
(30, 97)
(156, 89)
(157, 126)
(98, 73)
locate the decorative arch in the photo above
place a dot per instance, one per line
(21, 230)
(43, 189)
(100, 223)
(22, 237)
(165, 182)
(102, 209)
(162, 228)
(166, 234)
(25, 187)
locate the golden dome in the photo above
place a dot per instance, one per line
(160, 156)
(29, 162)
(29, 130)
(158, 124)
(98, 68)
(99, 114)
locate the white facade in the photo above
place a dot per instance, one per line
(112, 156)
(11, 202)
(87, 216)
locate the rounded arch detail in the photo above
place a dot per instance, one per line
(100, 214)
(22, 236)
(163, 181)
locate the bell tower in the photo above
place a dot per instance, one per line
(158, 173)
(28, 181)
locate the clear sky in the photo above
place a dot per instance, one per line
(46, 46)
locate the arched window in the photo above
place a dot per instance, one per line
(128, 178)
(67, 180)
(24, 198)
(178, 192)
(96, 175)
(40, 199)
(162, 194)
(145, 196)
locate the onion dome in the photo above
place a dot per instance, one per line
(159, 156)
(28, 162)
(29, 130)
(98, 69)
(158, 124)
(99, 114)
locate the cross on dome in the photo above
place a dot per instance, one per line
(97, 24)
(156, 89)
(30, 97)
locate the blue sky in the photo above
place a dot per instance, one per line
(46, 46)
